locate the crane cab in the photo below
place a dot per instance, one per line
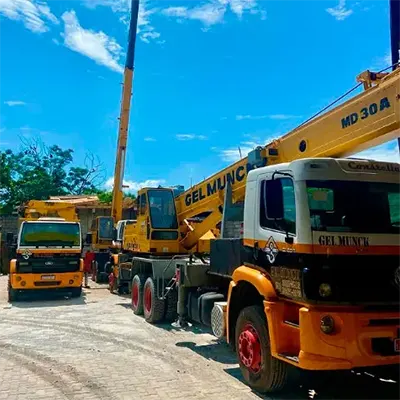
(156, 229)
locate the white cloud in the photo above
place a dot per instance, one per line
(190, 136)
(272, 116)
(340, 12)
(283, 116)
(13, 103)
(149, 139)
(232, 154)
(134, 186)
(34, 15)
(145, 30)
(385, 152)
(213, 11)
(103, 49)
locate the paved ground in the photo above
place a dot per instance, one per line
(95, 348)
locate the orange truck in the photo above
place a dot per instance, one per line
(48, 255)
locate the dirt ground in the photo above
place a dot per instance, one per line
(94, 347)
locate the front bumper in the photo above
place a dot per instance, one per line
(360, 339)
(36, 281)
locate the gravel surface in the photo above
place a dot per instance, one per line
(94, 347)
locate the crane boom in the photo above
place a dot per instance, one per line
(117, 198)
(366, 120)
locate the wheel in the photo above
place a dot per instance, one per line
(76, 292)
(261, 371)
(171, 312)
(137, 294)
(12, 293)
(153, 307)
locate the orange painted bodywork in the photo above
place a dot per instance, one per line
(34, 281)
(348, 347)
(31, 280)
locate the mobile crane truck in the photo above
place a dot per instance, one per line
(306, 273)
(282, 284)
(48, 256)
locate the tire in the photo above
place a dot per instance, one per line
(76, 292)
(153, 307)
(137, 294)
(12, 293)
(262, 372)
(171, 312)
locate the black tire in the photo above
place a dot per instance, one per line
(271, 374)
(171, 312)
(12, 293)
(137, 292)
(76, 292)
(154, 308)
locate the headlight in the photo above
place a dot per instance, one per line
(327, 324)
(325, 290)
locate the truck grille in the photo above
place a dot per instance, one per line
(47, 283)
(48, 265)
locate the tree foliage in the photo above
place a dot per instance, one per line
(38, 171)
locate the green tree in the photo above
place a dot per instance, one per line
(39, 171)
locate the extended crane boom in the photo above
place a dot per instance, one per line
(116, 207)
(368, 119)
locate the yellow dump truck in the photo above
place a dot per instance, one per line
(49, 248)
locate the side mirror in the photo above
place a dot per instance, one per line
(88, 239)
(273, 195)
(115, 234)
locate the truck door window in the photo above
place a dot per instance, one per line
(283, 193)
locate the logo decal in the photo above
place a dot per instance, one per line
(397, 277)
(26, 254)
(48, 263)
(271, 250)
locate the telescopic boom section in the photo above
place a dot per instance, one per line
(117, 199)
(364, 121)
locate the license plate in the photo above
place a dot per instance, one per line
(47, 277)
(397, 345)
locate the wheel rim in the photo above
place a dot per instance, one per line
(147, 298)
(135, 295)
(250, 348)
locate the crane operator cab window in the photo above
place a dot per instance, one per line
(142, 203)
(162, 211)
(106, 228)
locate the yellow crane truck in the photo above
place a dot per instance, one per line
(48, 255)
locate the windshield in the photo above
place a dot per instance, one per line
(162, 209)
(50, 234)
(106, 228)
(349, 206)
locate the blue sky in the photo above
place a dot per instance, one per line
(210, 76)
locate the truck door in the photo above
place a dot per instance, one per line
(275, 225)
